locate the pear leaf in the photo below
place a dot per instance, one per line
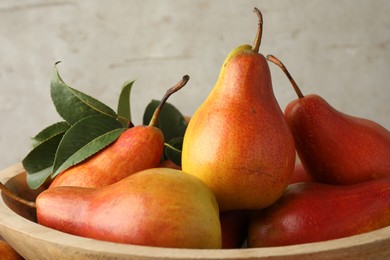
(36, 180)
(39, 161)
(124, 111)
(49, 132)
(171, 122)
(73, 105)
(173, 150)
(85, 138)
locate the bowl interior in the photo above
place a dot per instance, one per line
(18, 185)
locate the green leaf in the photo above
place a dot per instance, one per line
(73, 105)
(49, 132)
(89, 149)
(171, 121)
(173, 150)
(124, 111)
(85, 138)
(39, 161)
(35, 180)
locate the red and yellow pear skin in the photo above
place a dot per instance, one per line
(335, 147)
(156, 207)
(238, 141)
(312, 212)
(136, 149)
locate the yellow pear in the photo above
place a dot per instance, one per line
(238, 141)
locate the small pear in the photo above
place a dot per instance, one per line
(312, 212)
(159, 207)
(138, 148)
(335, 147)
(238, 141)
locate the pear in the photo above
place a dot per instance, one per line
(159, 207)
(238, 141)
(335, 147)
(300, 174)
(7, 252)
(311, 212)
(234, 227)
(138, 148)
(169, 164)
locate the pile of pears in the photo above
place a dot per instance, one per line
(250, 173)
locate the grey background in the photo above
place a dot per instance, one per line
(338, 49)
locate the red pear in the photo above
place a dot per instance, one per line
(311, 212)
(170, 164)
(333, 146)
(138, 148)
(300, 174)
(234, 227)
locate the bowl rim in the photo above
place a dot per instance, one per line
(10, 221)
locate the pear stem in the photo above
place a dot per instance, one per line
(15, 197)
(276, 61)
(257, 42)
(172, 147)
(176, 87)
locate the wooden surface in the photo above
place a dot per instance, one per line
(34, 241)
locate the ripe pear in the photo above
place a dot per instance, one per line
(7, 252)
(159, 207)
(169, 164)
(238, 141)
(311, 212)
(138, 148)
(335, 147)
(300, 174)
(234, 227)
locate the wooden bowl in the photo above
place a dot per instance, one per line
(33, 241)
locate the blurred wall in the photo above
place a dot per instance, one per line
(339, 49)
